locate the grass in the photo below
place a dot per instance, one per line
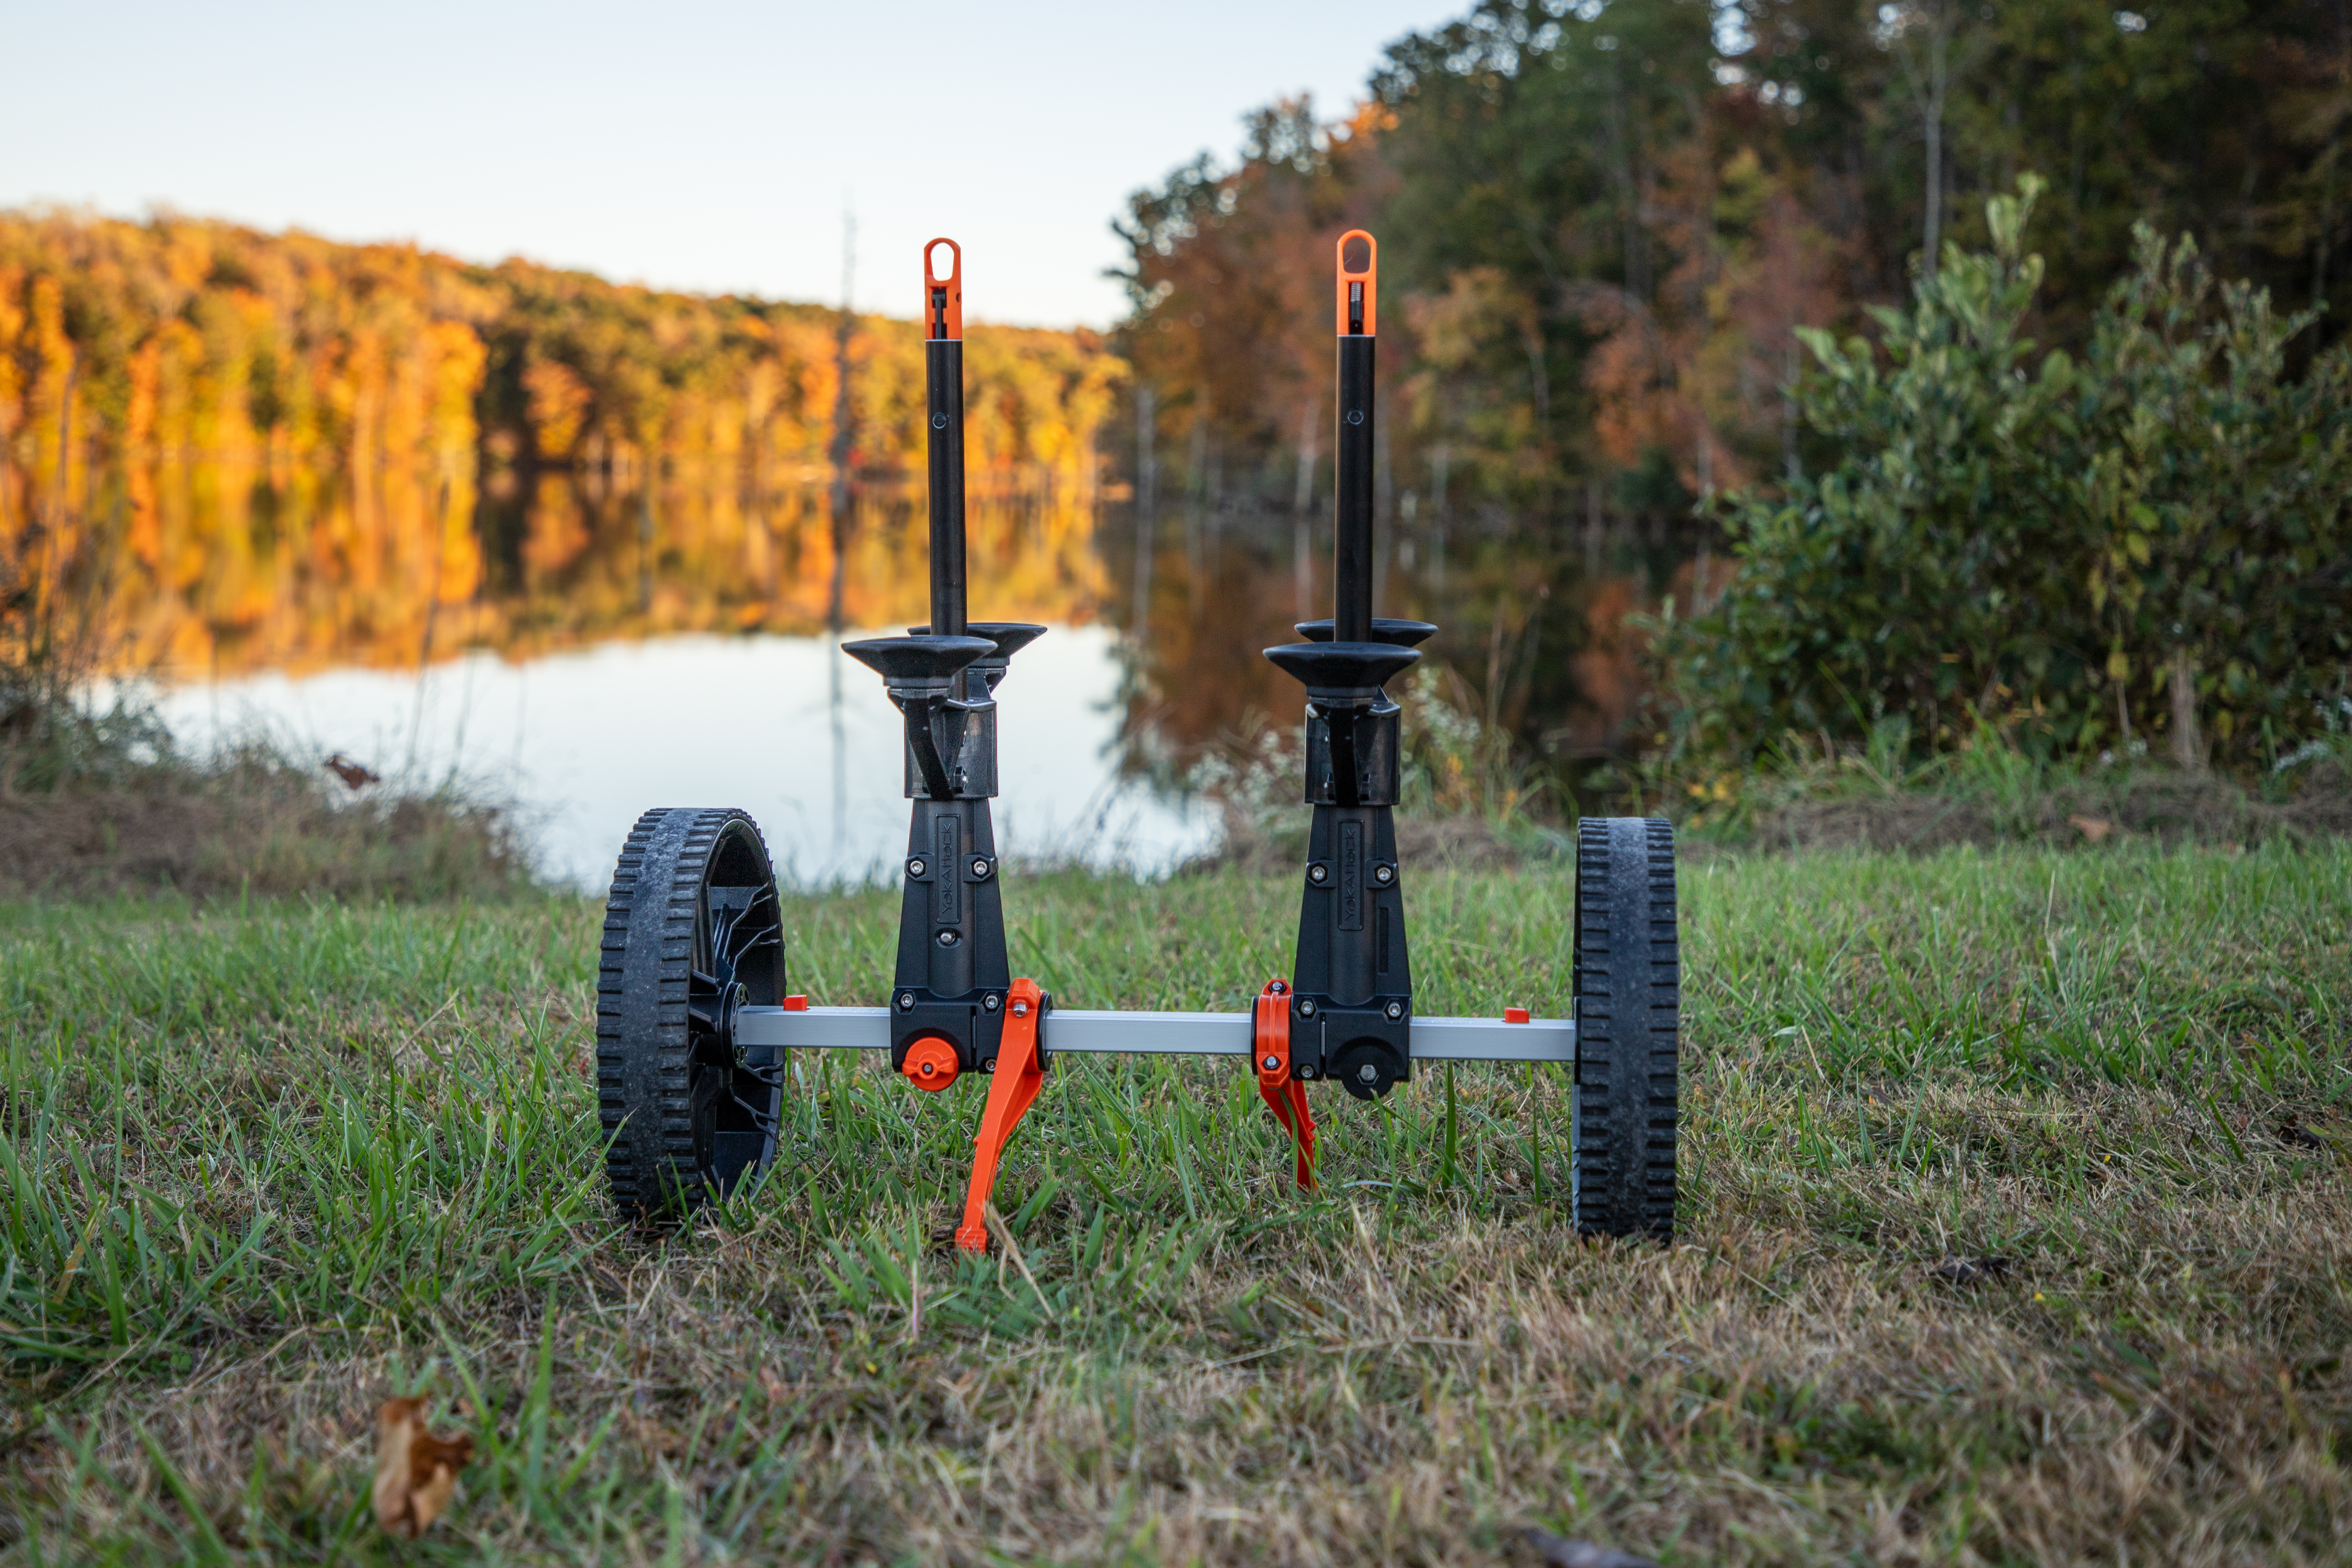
(263, 1166)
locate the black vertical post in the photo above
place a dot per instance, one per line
(943, 374)
(1351, 609)
(1351, 986)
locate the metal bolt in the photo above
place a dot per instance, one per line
(1396, 1011)
(938, 421)
(906, 1001)
(949, 939)
(1271, 1063)
(1279, 987)
(1305, 1072)
(1366, 1073)
(915, 866)
(1315, 873)
(1021, 1009)
(1355, 417)
(1381, 873)
(980, 868)
(988, 1066)
(1306, 1006)
(988, 1002)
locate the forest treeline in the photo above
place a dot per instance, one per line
(1606, 229)
(183, 334)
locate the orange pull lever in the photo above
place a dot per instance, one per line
(1020, 1074)
(1270, 1056)
(943, 297)
(1359, 284)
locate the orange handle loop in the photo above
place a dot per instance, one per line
(1359, 284)
(943, 297)
(1020, 1074)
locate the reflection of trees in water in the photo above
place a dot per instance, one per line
(234, 565)
(1533, 618)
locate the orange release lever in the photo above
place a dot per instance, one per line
(1359, 284)
(1270, 1056)
(943, 297)
(1020, 1074)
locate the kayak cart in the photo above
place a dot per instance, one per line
(693, 1021)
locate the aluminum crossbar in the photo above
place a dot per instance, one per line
(1082, 1032)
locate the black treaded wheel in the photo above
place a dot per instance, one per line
(692, 932)
(1627, 989)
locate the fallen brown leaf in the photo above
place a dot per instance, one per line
(2094, 829)
(415, 1472)
(355, 775)
(2294, 1133)
(1561, 1553)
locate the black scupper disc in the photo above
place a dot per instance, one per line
(1368, 1068)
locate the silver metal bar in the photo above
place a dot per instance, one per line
(1493, 1040)
(816, 1028)
(1161, 1034)
(1153, 1034)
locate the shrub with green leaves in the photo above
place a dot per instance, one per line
(2152, 544)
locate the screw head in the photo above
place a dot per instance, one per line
(1271, 1063)
(979, 868)
(1395, 1011)
(906, 1001)
(1381, 873)
(938, 421)
(1306, 1006)
(1305, 1072)
(988, 1002)
(1355, 417)
(988, 1066)
(1315, 873)
(915, 866)
(1366, 1073)
(1021, 1009)
(949, 939)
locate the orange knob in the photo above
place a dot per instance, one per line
(931, 1064)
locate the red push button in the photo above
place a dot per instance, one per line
(1515, 1014)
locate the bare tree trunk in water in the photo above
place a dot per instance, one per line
(1302, 544)
(1196, 463)
(1147, 508)
(2188, 738)
(845, 421)
(845, 430)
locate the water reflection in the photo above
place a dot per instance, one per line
(590, 738)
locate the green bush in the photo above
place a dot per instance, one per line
(2151, 544)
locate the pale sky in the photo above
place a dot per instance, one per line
(704, 146)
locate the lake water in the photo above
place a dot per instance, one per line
(785, 727)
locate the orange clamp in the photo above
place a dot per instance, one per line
(1359, 284)
(1020, 1074)
(1270, 1056)
(943, 297)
